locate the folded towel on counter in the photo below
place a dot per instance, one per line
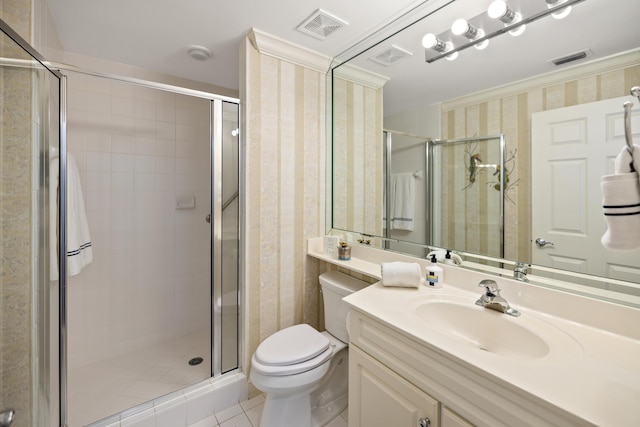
(625, 159)
(401, 274)
(621, 205)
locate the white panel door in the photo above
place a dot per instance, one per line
(572, 148)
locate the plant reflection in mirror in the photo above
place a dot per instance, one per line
(475, 168)
(473, 164)
(503, 178)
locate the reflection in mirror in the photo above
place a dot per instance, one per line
(469, 180)
(499, 90)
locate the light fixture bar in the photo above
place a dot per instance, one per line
(502, 30)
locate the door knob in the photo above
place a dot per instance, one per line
(542, 243)
(6, 417)
(208, 218)
(424, 422)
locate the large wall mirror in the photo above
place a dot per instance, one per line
(553, 92)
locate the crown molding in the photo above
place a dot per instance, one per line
(611, 63)
(360, 76)
(278, 48)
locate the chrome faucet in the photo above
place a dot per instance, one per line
(520, 272)
(492, 299)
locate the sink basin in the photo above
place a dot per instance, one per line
(523, 337)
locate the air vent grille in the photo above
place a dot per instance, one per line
(391, 56)
(321, 24)
(575, 56)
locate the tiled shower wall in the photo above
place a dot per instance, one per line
(137, 150)
(511, 115)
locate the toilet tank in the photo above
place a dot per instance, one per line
(335, 286)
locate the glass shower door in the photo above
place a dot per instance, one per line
(29, 98)
(139, 315)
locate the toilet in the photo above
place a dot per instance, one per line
(303, 372)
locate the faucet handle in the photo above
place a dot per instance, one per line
(491, 286)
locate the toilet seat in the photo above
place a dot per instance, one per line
(292, 350)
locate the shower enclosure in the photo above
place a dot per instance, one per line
(157, 308)
(459, 190)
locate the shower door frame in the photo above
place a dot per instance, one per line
(215, 141)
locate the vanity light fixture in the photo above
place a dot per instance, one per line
(461, 27)
(430, 41)
(498, 19)
(562, 13)
(499, 10)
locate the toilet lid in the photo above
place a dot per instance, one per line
(291, 346)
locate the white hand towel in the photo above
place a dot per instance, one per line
(401, 274)
(624, 160)
(621, 205)
(79, 251)
(403, 201)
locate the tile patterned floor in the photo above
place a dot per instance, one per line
(247, 414)
(113, 385)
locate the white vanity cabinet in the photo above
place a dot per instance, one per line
(396, 380)
(451, 419)
(379, 397)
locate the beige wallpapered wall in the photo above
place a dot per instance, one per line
(284, 117)
(357, 157)
(511, 115)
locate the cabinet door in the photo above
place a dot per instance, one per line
(378, 397)
(451, 419)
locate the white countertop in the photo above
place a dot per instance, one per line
(598, 379)
(594, 373)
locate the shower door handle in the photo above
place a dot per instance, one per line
(6, 417)
(208, 219)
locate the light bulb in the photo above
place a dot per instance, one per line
(460, 27)
(499, 10)
(562, 13)
(429, 41)
(452, 56)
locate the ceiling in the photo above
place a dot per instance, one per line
(600, 27)
(155, 34)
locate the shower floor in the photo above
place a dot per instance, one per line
(113, 385)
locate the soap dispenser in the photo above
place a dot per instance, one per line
(434, 274)
(447, 258)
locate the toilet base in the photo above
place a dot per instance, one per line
(332, 395)
(286, 411)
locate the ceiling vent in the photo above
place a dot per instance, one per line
(321, 24)
(575, 56)
(391, 56)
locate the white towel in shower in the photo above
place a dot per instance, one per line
(79, 251)
(403, 195)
